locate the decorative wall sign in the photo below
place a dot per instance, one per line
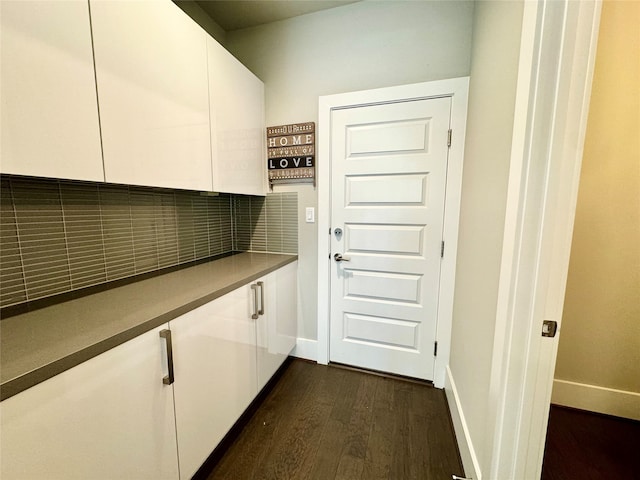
(291, 153)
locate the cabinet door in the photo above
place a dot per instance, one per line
(151, 69)
(215, 373)
(277, 328)
(237, 124)
(49, 119)
(286, 324)
(110, 417)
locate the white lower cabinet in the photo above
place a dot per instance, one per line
(215, 374)
(109, 417)
(276, 329)
(224, 353)
(114, 417)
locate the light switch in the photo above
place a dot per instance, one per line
(310, 215)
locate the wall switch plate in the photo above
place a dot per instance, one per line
(310, 215)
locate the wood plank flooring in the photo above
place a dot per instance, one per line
(590, 446)
(327, 423)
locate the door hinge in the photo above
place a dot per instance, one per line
(435, 349)
(442, 249)
(449, 137)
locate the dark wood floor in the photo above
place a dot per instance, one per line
(328, 423)
(588, 446)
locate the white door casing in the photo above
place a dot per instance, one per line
(388, 171)
(455, 91)
(557, 58)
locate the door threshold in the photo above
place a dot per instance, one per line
(392, 376)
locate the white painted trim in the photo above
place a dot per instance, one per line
(323, 179)
(459, 106)
(596, 399)
(554, 83)
(572, 110)
(458, 90)
(465, 445)
(306, 348)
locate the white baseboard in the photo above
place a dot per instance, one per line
(467, 452)
(307, 349)
(596, 399)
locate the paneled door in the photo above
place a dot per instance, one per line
(388, 169)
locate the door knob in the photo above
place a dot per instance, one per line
(339, 258)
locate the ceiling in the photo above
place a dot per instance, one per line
(237, 14)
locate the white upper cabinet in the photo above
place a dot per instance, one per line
(49, 118)
(175, 108)
(237, 124)
(151, 70)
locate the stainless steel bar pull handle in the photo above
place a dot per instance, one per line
(254, 287)
(166, 334)
(261, 311)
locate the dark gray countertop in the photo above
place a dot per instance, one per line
(37, 345)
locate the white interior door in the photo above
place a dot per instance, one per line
(388, 179)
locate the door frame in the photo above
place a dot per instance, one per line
(557, 57)
(458, 90)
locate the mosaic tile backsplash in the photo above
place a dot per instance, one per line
(266, 225)
(59, 236)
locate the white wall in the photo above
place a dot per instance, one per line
(363, 45)
(494, 68)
